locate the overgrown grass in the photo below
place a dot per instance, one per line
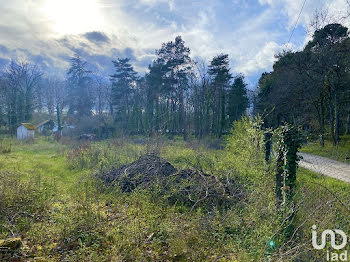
(339, 153)
(50, 199)
(103, 155)
(321, 201)
(5, 146)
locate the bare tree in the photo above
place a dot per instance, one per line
(320, 19)
(101, 92)
(21, 80)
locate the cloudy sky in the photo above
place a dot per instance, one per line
(48, 32)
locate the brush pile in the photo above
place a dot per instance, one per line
(190, 187)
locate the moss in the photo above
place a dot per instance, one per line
(29, 126)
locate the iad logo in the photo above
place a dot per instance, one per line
(332, 234)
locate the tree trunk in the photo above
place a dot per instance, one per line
(182, 114)
(331, 114)
(150, 115)
(222, 112)
(337, 122)
(59, 124)
(347, 132)
(28, 105)
(217, 112)
(111, 111)
(321, 120)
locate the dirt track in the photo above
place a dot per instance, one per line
(326, 166)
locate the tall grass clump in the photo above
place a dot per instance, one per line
(5, 146)
(103, 155)
(184, 155)
(23, 202)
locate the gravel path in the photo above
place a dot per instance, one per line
(326, 166)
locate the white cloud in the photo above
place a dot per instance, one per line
(336, 9)
(251, 35)
(263, 60)
(170, 3)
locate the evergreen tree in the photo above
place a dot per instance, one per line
(156, 88)
(123, 87)
(80, 101)
(219, 70)
(176, 64)
(238, 101)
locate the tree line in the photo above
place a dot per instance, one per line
(311, 87)
(177, 96)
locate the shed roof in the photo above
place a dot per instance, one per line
(42, 123)
(29, 126)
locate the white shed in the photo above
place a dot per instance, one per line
(25, 131)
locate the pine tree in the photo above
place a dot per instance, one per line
(79, 80)
(219, 71)
(155, 88)
(238, 101)
(174, 57)
(123, 85)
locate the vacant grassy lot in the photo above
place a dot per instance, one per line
(61, 213)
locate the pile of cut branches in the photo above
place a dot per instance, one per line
(190, 187)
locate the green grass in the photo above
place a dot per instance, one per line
(339, 153)
(50, 200)
(69, 215)
(321, 201)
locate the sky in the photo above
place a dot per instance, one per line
(49, 32)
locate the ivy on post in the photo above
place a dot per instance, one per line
(279, 178)
(268, 145)
(289, 141)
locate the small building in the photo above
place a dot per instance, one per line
(26, 131)
(46, 127)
